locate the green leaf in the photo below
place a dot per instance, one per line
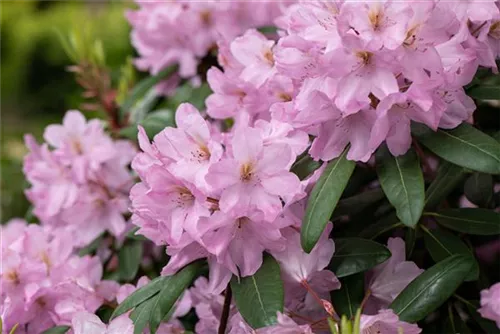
(469, 220)
(410, 238)
(187, 93)
(485, 92)
(139, 296)
(305, 166)
(92, 247)
(442, 244)
(57, 330)
(132, 235)
(447, 178)
(479, 189)
(355, 255)
(355, 204)
(464, 146)
(142, 88)
(143, 106)
(324, 198)
(260, 296)
(129, 259)
(431, 288)
(380, 227)
(403, 183)
(348, 299)
(172, 289)
(140, 315)
(154, 122)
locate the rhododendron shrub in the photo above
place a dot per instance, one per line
(284, 167)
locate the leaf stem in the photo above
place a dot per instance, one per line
(463, 300)
(225, 310)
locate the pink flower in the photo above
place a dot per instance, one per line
(255, 177)
(189, 146)
(490, 303)
(386, 322)
(388, 279)
(227, 234)
(86, 323)
(379, 23)
(163, 202)
(84, 181)
(302, 272)
(43, 282)
(84, 146)
(285, 325)
(255, 53)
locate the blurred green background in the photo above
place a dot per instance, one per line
(35, 87)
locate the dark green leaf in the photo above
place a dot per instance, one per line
(57, 330)
(348, 299)
(442, 244)
(464, 146)
(154, 122)
(139, 296)
(172, 289)
(132, 235)
(260, 296)
(410, 238)
(143, 106)
(187, 93)
(92, 247)
(447, 178)
(355, 255)
(431, 288)
(355, 204)
(382, 226)
(479, 189)
(305, 166)
(268, 30)
(403, 183)
(485, 92)
(142, 88)
(140, 315)
(129, 259)
(470, 220)
(324, 198)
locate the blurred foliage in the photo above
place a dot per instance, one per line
(35, 87)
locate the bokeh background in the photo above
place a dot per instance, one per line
(36, 89)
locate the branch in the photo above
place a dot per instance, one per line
(225, 310)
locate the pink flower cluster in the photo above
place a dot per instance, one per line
(80, 178)
(43, 283)
(203, 193)
(193, 28)
(358, 73)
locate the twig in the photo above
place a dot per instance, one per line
(225, 310)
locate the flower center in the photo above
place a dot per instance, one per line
(285, 97)
(365, 56)
(246, 172)
(495, 30)
(269, 57)
(206, 17)
(45, 259)
(12, 276)
(202, 153)
(376, 18)
(76, 146)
